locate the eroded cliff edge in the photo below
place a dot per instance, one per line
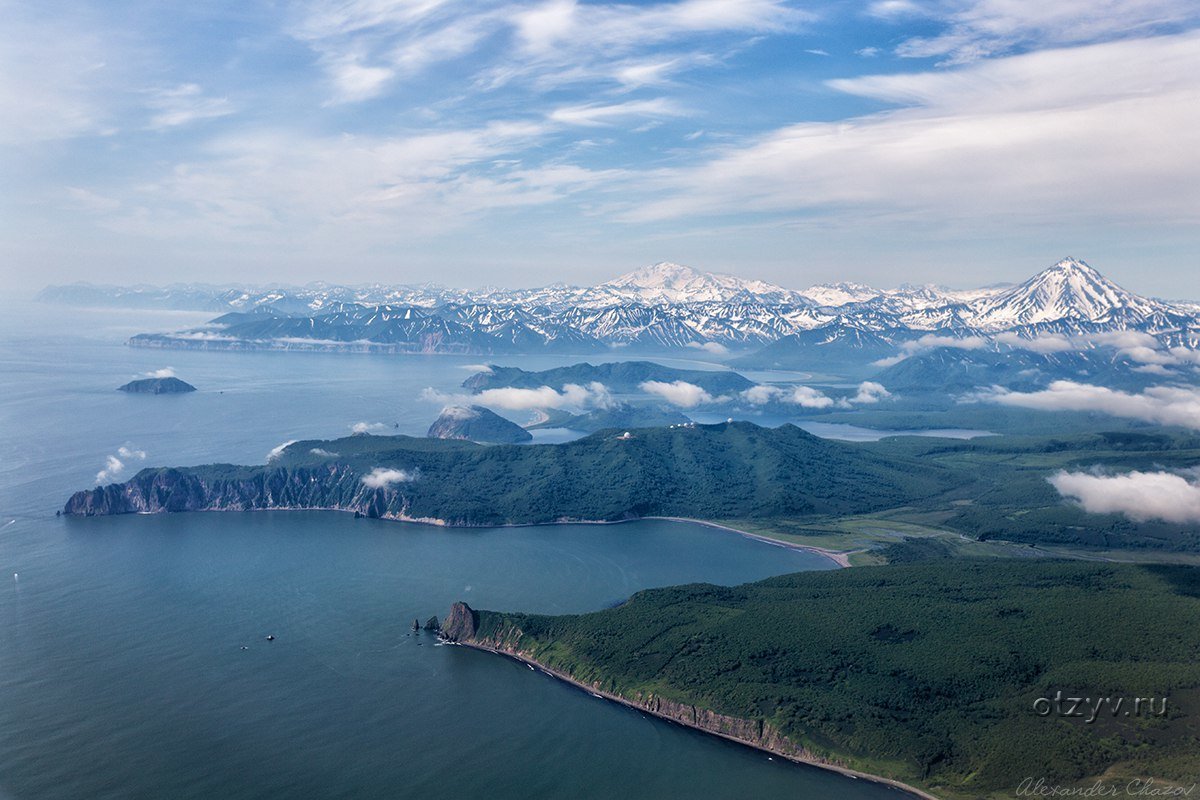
(493, 633)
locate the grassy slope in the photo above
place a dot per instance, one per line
(920, 673)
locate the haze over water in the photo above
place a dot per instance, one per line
(122, 672)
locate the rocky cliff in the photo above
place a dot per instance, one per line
(461, 624)
(484, 630)
(157, 386)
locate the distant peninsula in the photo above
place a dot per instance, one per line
(728, 471)
(617, 376)
(477, 424)
(157, 386)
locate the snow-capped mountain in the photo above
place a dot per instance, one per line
(663, 306)
(1069, 290)
(832, 295)
(668, 284)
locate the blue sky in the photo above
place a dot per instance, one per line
(518, 143)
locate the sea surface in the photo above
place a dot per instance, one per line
(133, 654)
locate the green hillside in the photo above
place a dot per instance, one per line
(924, 673)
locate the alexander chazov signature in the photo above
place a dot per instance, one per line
(1040, 787)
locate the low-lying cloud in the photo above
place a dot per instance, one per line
(678, 393)
(165, 372)
(716, 348)
(323, 453)
(277, 451)
(932, 341)
(870, 392)
(383, 477)
(1140, 496)
(807, 397)
(1166, 405)
(115, 465)
(573, 396)
(368, 427)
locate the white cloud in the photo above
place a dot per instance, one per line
(383, 477)
(762, 394)
(277, 451)
(115, 465)
(484, 368)
(1011, 124)
(931, 341)
(368, 427)
(184, 104)
(678, 393)
(1166, 405)
(572, 396)
(807, 397)
(1046, 343)
(597, 114)
(870, 392)
(981, 28)
(716, 348)
(323, 453)
(165, 372)
(1140, 496)
(366, 45)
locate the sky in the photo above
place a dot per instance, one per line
(961, 142)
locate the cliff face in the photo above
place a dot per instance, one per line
(461, 624)
(328, 486)
(463, 627)
(157, 386)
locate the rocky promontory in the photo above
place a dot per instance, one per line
(477, 424)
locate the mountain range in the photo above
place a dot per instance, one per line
(664, 306)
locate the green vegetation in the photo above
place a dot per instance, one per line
(920, 672)
(731, 470)
(983, 497)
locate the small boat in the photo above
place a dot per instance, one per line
(270, 637)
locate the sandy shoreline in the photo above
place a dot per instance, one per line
(850, 773)
(836, 556)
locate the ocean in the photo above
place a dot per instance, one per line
(134, 661)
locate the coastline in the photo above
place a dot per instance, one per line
(600, 693)
(841, 559)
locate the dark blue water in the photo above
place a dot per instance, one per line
(122, 668)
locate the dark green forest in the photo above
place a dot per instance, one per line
(925, 673)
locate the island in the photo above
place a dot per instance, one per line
(157, 386)
(477, 424)
(953, 681)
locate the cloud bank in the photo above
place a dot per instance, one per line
(678, 393)
(1166, 405)
(1141, 496)
(572, 397)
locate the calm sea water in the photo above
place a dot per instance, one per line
(122, 668)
